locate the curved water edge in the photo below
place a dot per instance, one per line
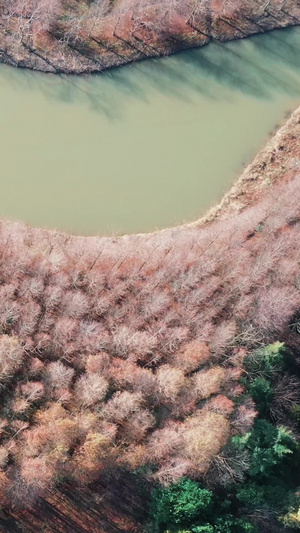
(145, 146)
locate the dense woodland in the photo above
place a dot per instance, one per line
(92, 35)
(130, 356)
(160, 370)
(253, 485)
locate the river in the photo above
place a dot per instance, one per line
(145, 146)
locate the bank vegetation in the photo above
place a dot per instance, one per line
(92, 35)
(124, 360)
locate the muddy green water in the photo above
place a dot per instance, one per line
(145, 146)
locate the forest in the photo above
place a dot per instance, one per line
(167, 361)
(149, 383)
(93, 35)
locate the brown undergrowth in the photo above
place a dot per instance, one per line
(123, 355)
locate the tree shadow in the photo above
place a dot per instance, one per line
(282, 46)
(116, 504)
(260, 66)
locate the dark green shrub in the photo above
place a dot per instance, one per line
(262, 393)
(202, 529)
(268, 447)
(198, 529)
(230, 524)
(185, 507)
(181, 503)
(251, 495)
(272, 496)
(226, 524)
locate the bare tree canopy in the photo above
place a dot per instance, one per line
(86, 36)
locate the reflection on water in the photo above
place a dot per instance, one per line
(257, 66)
(143, 146)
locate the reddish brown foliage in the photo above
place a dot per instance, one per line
(208, 382)
(206, 433)
(195, 354)
(90, 389)
(90, 36)
(221, 404)
(129, 351)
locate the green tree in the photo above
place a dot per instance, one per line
(262, 393)
(231, 524)
(268, 447)
(181, 503)
(185, 507)
(269, 496)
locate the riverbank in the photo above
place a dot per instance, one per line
(222, 99)
(139, 306)
(278, 160)
(122, 352)
(276, 163)
(77, 37)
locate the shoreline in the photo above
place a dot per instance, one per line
(229, 280)
(247, 188)
(215, 281)
(254, 178)
(77, 39)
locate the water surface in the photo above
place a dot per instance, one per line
(144, 146)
